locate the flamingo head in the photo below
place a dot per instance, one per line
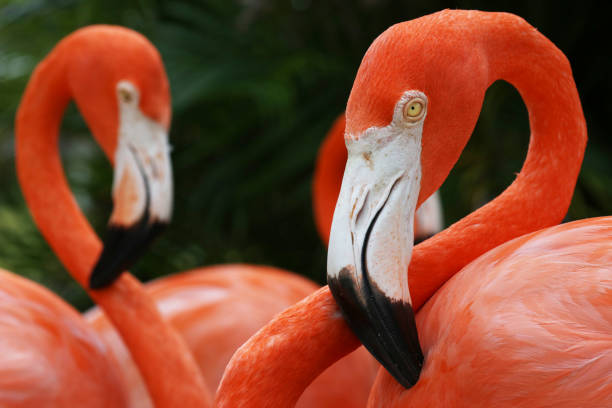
(127, 106)
(413, 106)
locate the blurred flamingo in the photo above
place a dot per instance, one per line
(46, 348)
(118, 82)
(528, 323)
(141, 190)
(216, 309)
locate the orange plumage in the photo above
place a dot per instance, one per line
(86, 66)
(215, 309)
(218, 308)
(44, 346)
(527, 324)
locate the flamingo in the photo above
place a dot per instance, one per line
(327, 180)
(527, 324)
(128, 69)
(117, 80)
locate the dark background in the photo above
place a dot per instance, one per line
(255, 86)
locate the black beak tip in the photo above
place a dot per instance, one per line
(408, 375)
(122, 248)
(109, 266)
(98, 279)
(387, 328)
(403, 356)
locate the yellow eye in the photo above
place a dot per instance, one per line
(413, 110)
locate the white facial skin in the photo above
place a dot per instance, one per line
(142, 162)
(383, 170)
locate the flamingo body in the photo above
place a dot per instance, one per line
(520, 320)
(540, 306)
(49, 356)
(216, 309)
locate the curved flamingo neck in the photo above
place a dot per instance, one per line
(171, 375)
(327, 177)
(540, 195)
(274, 367)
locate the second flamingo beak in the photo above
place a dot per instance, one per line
(142, 193)
(371, 244)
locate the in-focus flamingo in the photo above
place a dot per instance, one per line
(118, 82)
(327, 180)
(529, 323)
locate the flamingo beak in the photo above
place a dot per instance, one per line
(142, 195)
(371, 244)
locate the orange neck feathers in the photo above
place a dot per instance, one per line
(171, 374)
(455, 77)
(263, 375)
(540, 195)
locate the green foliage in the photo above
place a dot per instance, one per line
(255, 86)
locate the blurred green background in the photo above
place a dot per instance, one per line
(255, 86)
